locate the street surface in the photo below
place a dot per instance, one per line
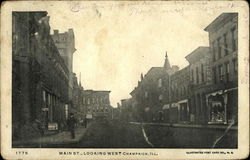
(114, 134)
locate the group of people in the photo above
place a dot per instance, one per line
(72, 122)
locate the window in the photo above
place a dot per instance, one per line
(192, 75)
(161, 97)
(213, 48)
(221, 76)
(233, 32)
(83, 100)
(202, 73)
(160, 83)
(146, 94)
(235, 65)
(225, 44)
(227, 71)
(197, 75)
(215, 75)
(219, 48)
(88, 101)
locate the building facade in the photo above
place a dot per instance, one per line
(200, 79)
(40, 76)
(179, 104)
(151, 94)
(65, 43)
(97, 103)
(222, 101)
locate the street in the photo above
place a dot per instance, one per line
(110, 134)
(114, 134)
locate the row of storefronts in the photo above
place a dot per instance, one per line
(204, 92)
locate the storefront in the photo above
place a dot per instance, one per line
(183, 109)
(222, 106)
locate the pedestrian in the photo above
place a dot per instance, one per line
(71, 125)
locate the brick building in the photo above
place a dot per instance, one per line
(65, 43)
(151, 94)
(40, 76)
(96, 103)
(222, 101)
(179, 106)
(200, 78)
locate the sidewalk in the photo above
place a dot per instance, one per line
(60, 138)
(211, 126)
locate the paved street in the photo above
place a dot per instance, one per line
(113, 134)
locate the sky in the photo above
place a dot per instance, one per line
(117, 41)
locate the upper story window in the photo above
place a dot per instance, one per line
(225, 44)
(227, 67)
(235, 65)
(197, 75)
(160, 83)
(213, 50)
(219, 47)
(202, 73)
(214, 75)
(161, 98)
(146, 94)
(221, 76)
(233, 32)
(88, 101)
(192, 75)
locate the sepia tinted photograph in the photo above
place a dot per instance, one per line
(125, 75)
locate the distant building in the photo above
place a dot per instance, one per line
(222, 101)
(179, 106)
(97, 103)
(151, 93)
(40, 80)
(126, 109)
(200, 78)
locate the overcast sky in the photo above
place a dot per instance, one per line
(117, 41)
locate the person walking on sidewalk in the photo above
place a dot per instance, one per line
(71, 125)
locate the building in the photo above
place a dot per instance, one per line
(151, 94)
(65, 43)
(77, 103)
(40, 80)
(222, 101)
(126, 109)
(200, 78)
(97, 103)
(179, 107)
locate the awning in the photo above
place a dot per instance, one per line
(183, 101)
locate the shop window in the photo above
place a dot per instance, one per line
(217, 114)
